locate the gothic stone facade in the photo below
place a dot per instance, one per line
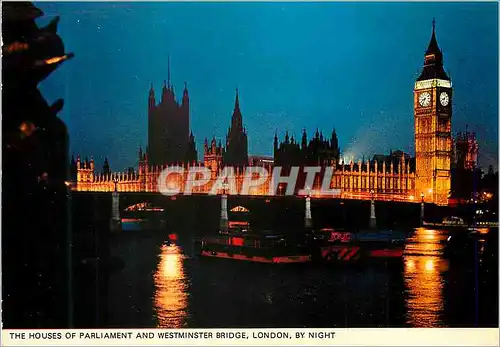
(394, 177)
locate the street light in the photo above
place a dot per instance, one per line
(308, 218)
(224, 188)
(280, 189)
(422, 197)
(224, 223)
(373, 218)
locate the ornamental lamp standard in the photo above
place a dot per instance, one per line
(373, 218)
(308, 215)
(280, 189)
(308, 192)
(224, 220)
(115, 208)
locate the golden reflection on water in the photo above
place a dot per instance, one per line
(423, 273)
(170, 301)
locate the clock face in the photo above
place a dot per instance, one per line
(424, 99)
(444, 99)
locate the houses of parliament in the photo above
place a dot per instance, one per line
(396, 176)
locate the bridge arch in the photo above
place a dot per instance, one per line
(144, 206)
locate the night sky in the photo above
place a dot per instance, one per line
(349, 66)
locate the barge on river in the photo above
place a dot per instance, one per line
(260, 247)
(325, 245)
(240, 242)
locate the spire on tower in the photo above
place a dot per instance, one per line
(205, 145)
(105, 167)
(166, 95)
(334, 140)
(237, 101)
(185, 95)
(237, 121)
(151, 96)
(168, 76)
(433, 46)
(304, 138)
(433, 63)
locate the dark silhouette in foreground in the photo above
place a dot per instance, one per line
(35, 233)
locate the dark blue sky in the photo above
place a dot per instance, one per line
(351, 66)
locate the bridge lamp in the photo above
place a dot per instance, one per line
(224, 188)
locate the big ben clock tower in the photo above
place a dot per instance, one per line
(432, 112)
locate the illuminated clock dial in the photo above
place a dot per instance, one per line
(444, 98)
(424, 99)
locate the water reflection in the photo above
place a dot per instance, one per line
(171, 288)
(423, 273)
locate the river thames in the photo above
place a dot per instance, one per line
(168, 286)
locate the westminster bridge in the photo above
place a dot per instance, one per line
(269, 212)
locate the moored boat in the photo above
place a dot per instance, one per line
(448, 223)
(325, 245)
(261, 247)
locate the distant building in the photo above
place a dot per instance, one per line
(465, 173)
(235, 154)
(169, 138)
(466, 150)
(391, 177)
(319, 151)
(212, 156)
(236, 151)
